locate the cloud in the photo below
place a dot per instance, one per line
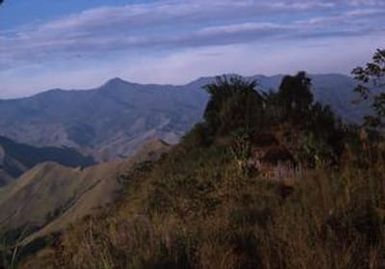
(168, 23)
(330, 55)
(378, 3)
(141, 32)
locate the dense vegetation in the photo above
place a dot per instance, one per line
(267, 180)
(372, 79)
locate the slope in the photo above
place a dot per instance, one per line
(50, 196)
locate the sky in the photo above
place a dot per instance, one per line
(79, 44)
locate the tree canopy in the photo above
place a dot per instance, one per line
(295, 94)
(237, 109)
(371, 80)
(234, 103)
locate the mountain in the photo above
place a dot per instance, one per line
(112, 121)
(16, 158)
(50, 196)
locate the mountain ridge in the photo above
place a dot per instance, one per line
(16, 158)
(202, 80)
(112, 120)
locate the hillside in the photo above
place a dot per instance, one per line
(50, 196)
(16, 158)
(112, 121)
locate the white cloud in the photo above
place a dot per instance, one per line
(168, 37)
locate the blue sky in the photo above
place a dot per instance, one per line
(81, 43)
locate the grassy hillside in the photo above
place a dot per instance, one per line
(49, 197)
(266, 181)
(195, 216)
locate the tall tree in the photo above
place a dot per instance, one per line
(295, 94)
(234, 103)
(371, 80)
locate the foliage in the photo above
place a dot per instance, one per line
(315, 151)
(234, 104)
(236, 107)
(295, 95)
(371, 78)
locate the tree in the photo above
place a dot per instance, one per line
(234, 104)
(295, 94)
(371, 80)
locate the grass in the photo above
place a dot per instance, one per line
(196, 209)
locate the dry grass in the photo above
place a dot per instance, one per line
(196, 209)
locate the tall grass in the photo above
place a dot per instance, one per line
(196, 209)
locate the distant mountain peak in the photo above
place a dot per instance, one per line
(115, 82)
(51, 92)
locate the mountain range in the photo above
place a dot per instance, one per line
(113, 120)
